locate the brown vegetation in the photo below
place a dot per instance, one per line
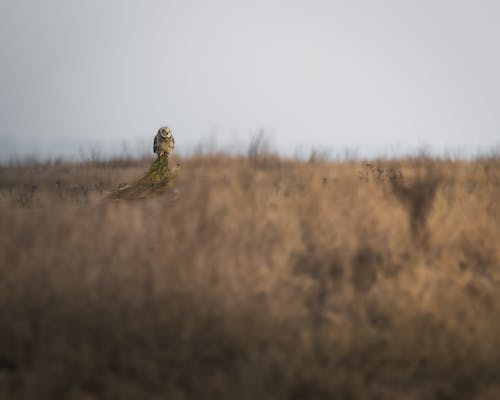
(258, 278)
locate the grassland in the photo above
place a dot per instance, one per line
(252, 278)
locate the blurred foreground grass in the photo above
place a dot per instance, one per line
(257, 278)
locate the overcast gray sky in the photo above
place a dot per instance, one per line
(377, 75)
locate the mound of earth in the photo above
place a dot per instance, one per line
(156, 181)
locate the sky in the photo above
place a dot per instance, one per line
(378, 77)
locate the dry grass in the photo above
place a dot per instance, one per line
(257, 278)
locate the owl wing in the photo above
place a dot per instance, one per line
(155, 144)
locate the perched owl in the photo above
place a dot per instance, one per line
(164, 142)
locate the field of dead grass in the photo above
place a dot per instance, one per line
(259, 278)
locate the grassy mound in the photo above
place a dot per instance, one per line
(156, 181)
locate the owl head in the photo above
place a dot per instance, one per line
(165, 132)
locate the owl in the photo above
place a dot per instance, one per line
(163, 142)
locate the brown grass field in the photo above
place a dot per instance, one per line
(252, 278)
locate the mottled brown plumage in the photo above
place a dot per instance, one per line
(163, 142)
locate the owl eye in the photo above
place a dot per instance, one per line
(163, 134)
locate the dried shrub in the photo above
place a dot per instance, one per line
(365, 264)
(417, 198)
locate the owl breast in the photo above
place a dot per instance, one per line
(163, 145)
